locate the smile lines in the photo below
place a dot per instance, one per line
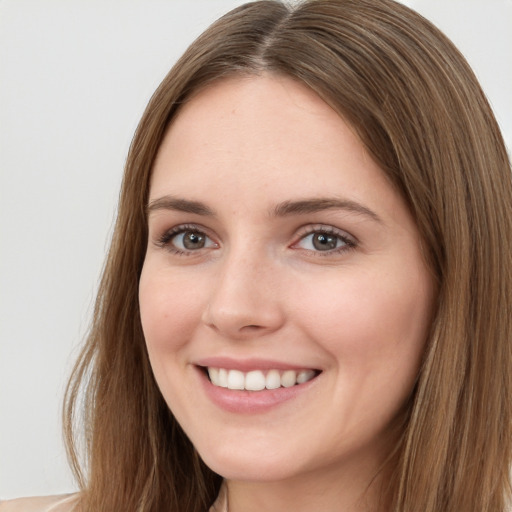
(257, 380)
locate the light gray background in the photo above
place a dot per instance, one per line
(75, 76)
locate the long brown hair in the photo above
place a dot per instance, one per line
(418, 108)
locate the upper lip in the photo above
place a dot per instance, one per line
(246, 365)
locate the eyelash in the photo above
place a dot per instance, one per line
(350, 243)
(165, 240)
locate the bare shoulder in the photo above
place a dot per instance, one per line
(60, 503)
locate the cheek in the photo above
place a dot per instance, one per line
(374, 330)
(373, 324)
(170, 311)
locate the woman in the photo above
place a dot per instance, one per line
(307, 299)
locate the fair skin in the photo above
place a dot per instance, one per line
(277, 245)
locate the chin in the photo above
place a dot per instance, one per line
(233, 465)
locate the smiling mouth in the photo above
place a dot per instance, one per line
(258, 380)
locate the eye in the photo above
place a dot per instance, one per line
(190, 240)
(326, 240)
(183, 239)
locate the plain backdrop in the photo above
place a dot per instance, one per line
(75, 76)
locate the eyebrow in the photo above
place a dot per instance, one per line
(284, 209)
(179, 204)
(315, 205)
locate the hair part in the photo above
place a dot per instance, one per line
(419, 110)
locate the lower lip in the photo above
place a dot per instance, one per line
(251, 402)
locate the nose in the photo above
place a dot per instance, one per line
(245, 302)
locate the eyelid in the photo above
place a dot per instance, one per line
(325, 228)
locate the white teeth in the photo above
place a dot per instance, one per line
(273, 380)
(223, 378)
(236, 379)
(256, 380)
(213, 373)
(288, 379)
(304, 376)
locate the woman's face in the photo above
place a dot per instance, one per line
(282, 261)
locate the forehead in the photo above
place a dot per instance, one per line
(261, 140)
(251, 111)
(261, 122)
